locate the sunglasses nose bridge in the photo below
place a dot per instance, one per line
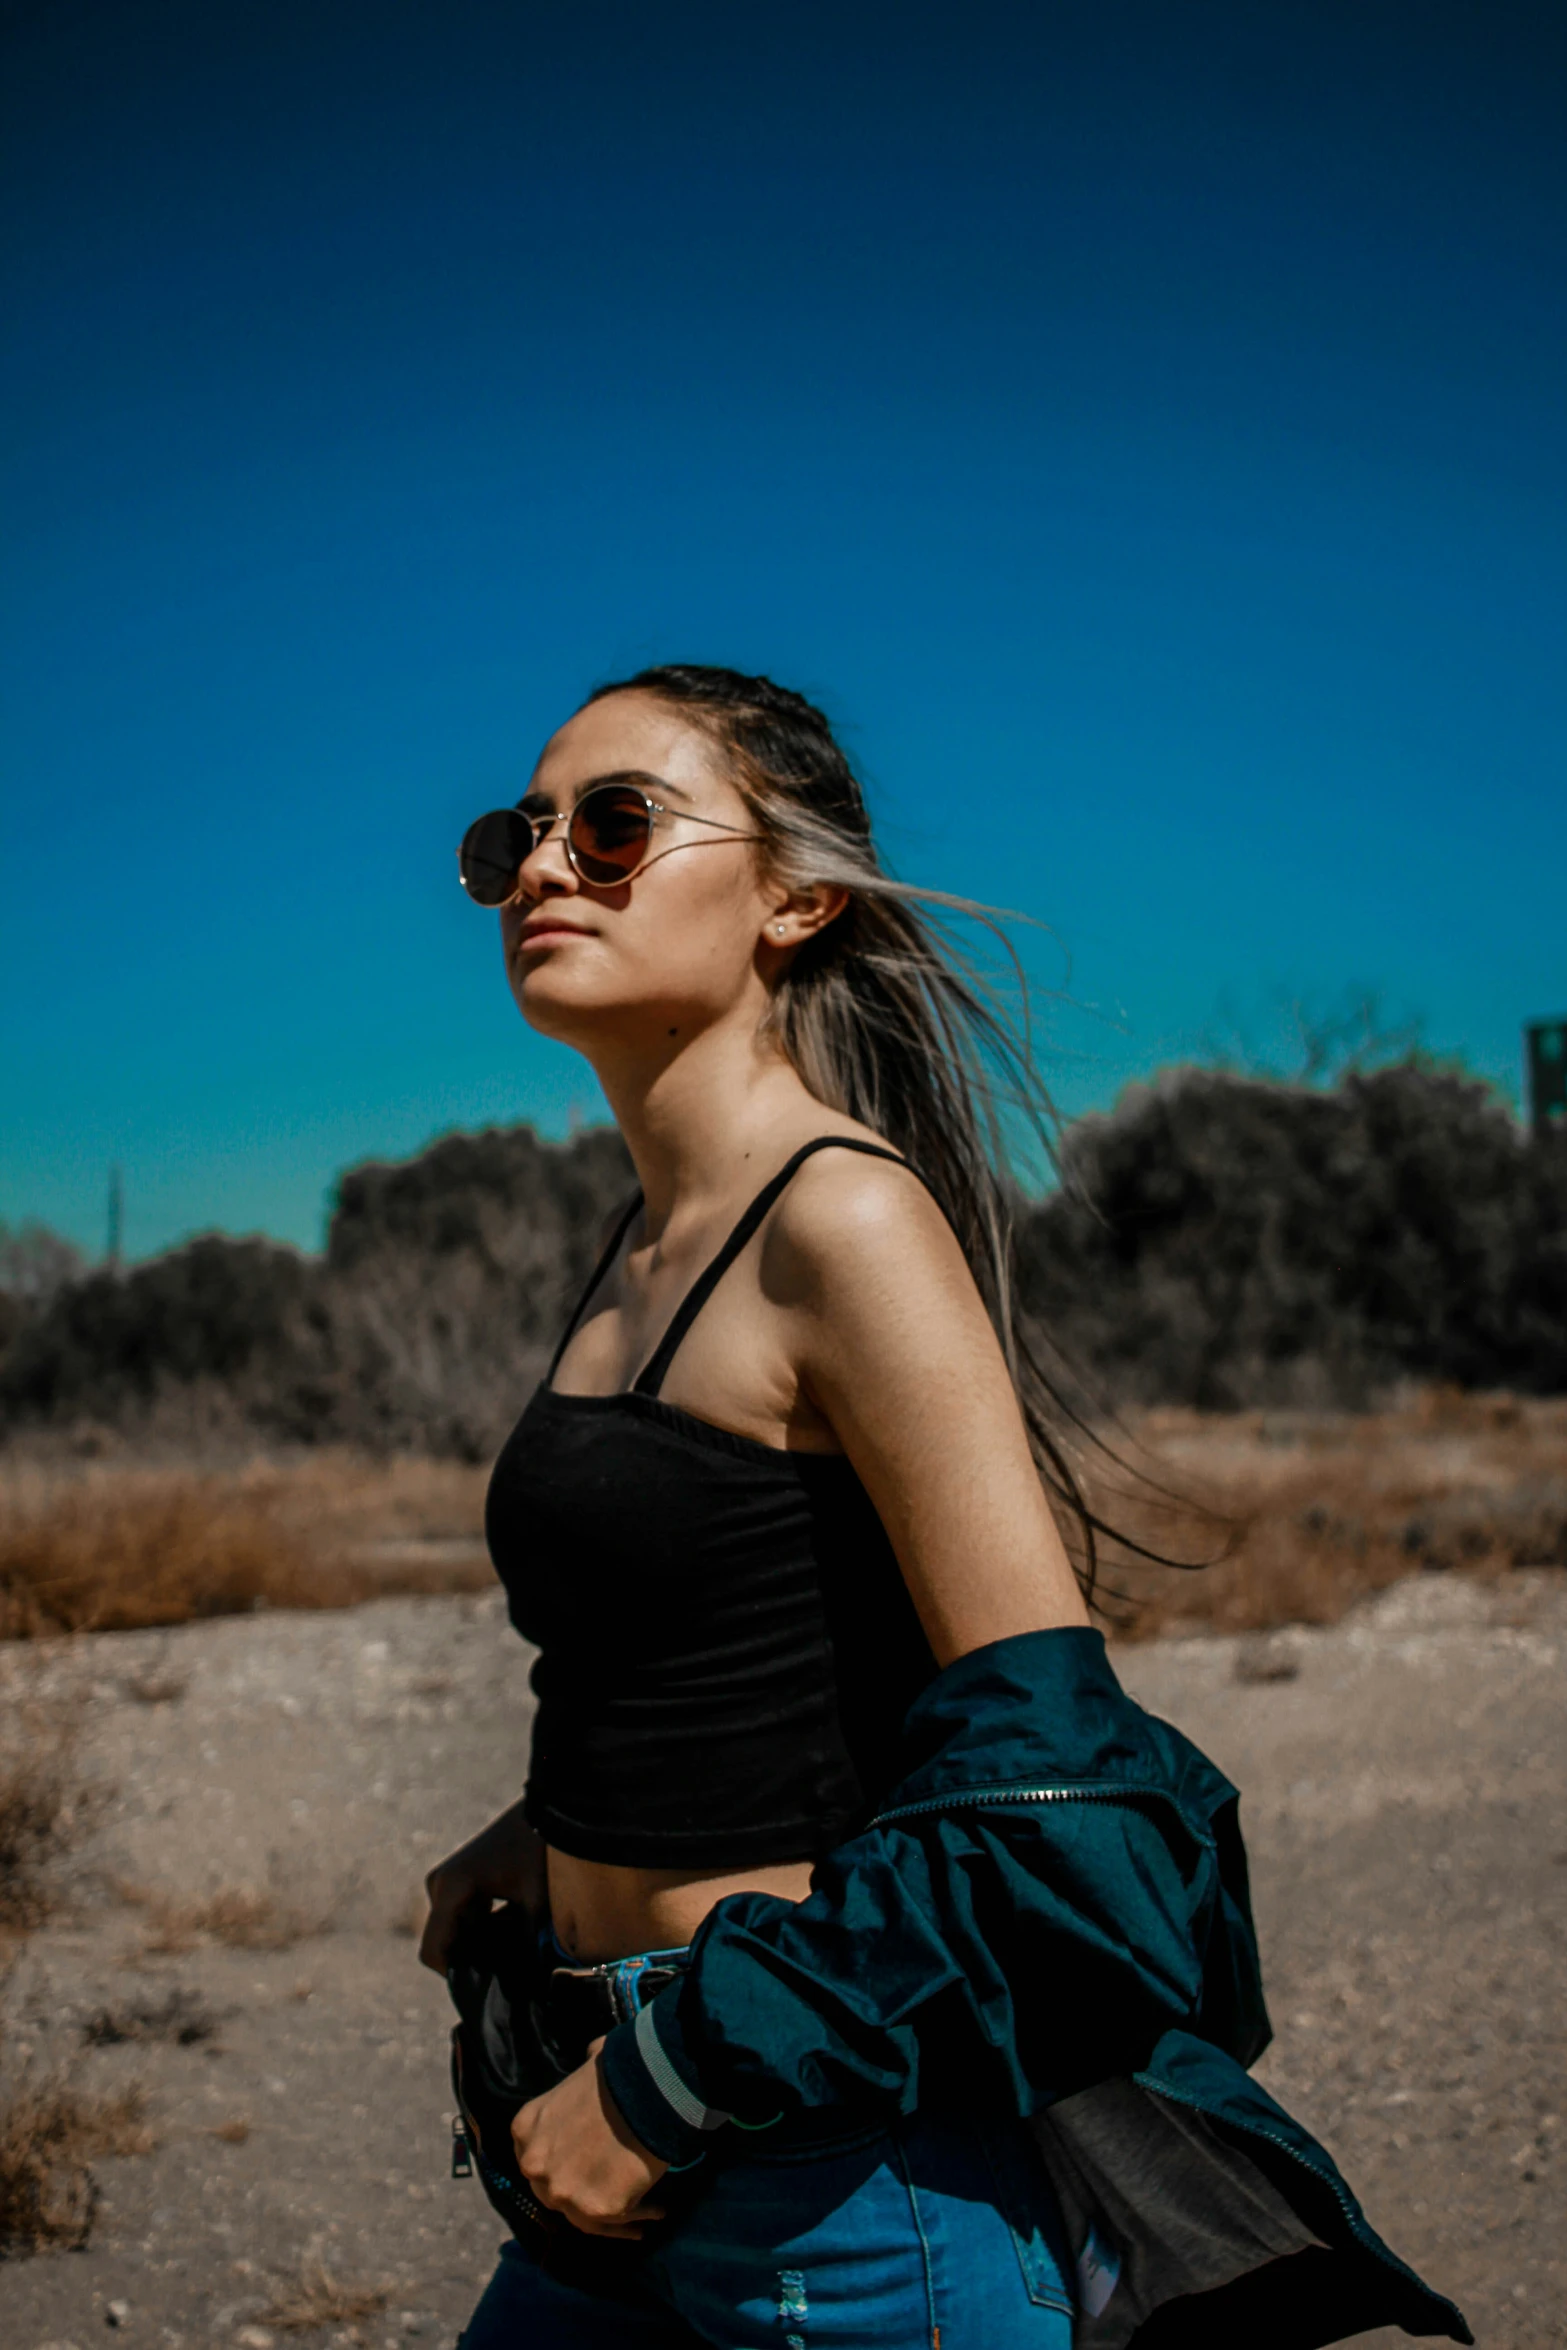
(550, 832)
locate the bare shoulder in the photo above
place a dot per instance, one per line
(894, 1350)
(849, 1219)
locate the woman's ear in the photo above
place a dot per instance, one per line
(803, 913)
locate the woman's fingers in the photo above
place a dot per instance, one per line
(629, 2227)
(581, 2163)
(590, 2223)
(434, 1943)
(439, 1928)
(504, 1862)
(450, 1903)
(587, 2205)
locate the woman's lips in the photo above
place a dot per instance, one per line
(548, 935)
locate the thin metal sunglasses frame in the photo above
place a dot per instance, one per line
(541, 827)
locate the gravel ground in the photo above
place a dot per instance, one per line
(1403, 1782)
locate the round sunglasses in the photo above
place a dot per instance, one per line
(609, 834)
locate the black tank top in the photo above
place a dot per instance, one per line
(727, 1647)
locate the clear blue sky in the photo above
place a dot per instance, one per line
(1142, 425)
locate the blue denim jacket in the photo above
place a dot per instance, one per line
(1050, 1916)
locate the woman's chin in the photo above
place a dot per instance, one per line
(556, 1011)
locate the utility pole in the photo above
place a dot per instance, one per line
(116, 1214)
(1546, 1044)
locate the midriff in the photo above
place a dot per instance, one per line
(599, 1911)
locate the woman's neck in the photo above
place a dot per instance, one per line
(695, 1117)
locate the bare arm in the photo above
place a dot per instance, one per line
(895, 1349)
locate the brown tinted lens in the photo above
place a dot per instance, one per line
(493, 847)
(609, 832)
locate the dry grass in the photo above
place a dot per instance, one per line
(233, 2132)
(1324, 1508)
(317, 2298)
(103, 1547)
(50, 2129)
(240, 1917)
(156, 1688)
(50, 2133)
(180, 2016)
(102, 1555)
(115, 2123)
(46, 1808)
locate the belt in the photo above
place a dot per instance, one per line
(575, 2005)
(572, 2006)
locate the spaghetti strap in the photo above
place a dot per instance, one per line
(651, 1378)
(598, 1273)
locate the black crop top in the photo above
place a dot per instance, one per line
(727, 1647)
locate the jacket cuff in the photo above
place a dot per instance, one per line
(650, 2082)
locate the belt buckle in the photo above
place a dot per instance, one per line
(608, 2004)
(654, 1979)
(625, 1987)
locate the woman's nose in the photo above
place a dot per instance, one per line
(547, 866)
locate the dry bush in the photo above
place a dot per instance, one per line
(233, 2132)
(1221, 1242)
(46, 1808)
(50, 2129)
(1324, 1508)
(115, 1554)
(1218, 1241)
(422, 1328)
(181, 2016)
(317, 2298)
(114, 2123)
(370, 1498)
(48, 2196)
(50, 2132)
(96, 1547)
(240, 1917)
(156, 1688)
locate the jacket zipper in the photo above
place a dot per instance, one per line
(471, 2137)
(973, 1798)
(1358, 2226)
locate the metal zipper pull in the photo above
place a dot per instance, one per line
(462, 2158)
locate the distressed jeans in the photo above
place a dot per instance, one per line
(936, 2235)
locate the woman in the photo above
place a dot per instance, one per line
(817, 1688)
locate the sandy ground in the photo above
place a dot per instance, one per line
(1403, 1783)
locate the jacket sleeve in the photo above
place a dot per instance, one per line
(1008, 1942)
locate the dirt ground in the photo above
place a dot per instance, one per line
(285, 1779)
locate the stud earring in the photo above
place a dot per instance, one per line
(780, 927)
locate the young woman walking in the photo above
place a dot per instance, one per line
(894, 1971)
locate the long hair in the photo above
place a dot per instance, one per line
(889, 1021)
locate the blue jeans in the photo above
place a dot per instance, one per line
(936, 2234)
(929, 2236)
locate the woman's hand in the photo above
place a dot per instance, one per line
(580, 2159)
(504, 1862)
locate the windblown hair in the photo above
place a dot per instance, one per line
(889, 1021)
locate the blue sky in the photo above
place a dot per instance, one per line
(1142, 426)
